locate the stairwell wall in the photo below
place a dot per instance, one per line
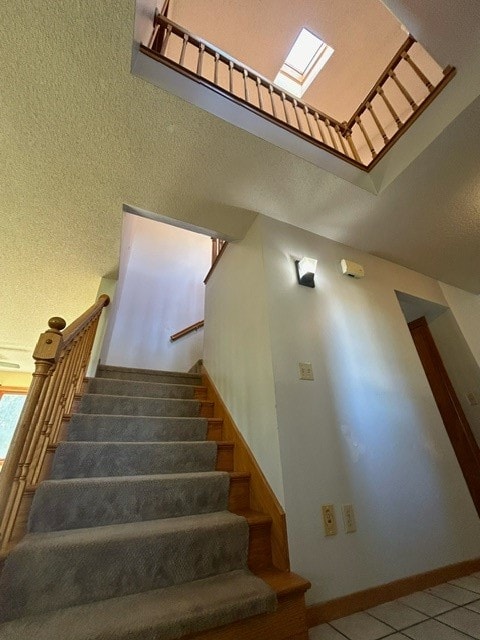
(366, 431)
(237, 352)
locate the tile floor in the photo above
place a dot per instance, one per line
(450, 611)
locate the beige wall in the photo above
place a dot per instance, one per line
(15, 379)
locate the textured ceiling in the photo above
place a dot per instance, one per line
(80, 136)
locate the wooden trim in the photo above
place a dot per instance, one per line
(354, 602)
(262, 498)
(73, 329)
(193, 327)
(215, 262)
(251, 107)
(21, 391)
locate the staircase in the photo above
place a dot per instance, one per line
(144, 531)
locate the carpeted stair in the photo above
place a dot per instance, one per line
(130, 538)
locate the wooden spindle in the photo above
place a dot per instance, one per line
(332, 138)
(295, 110)
(342, 141)
(165, 40)
(259, 92)
(270, 91)
(418, 71)
(358, 120)
(245, 85)
(283, 97)
(307, 113)
(230, 76)
(184, 49)
(317, 120)
(351, 144)
(395, 116)
(201, 51)
(377, 122)
(215, 72)
(404, 91)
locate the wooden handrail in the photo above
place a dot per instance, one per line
(60, 363)
(392, 65)
(215, 262)
(187, 330)
(352, 141)
(239, 66)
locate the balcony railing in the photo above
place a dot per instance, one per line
(400, 95)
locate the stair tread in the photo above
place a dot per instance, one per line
(135, 479)
(254, 517)
(154, 372)
(283, 582)
(200, 605)
(130, 530)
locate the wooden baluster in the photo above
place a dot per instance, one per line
(259, 91)
(245, 85)
(317, 120)
(404, 91)
(352, 146)
(166, 38)
(377, 122)
(214, 249)
(418, 71)
(358, 120)
(153, 36)
(307, 112)
(283, 97)
(201, 51)
(230, 76)
(270, 91)
(342, 141)
(215, 73)
(395, 116)
(329, 129)
(295, 110)
(184, 49)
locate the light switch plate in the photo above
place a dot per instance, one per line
(348, 514)
(305, 370)
(472, 398)
(329, 520)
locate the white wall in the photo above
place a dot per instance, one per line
(366, 430)
(461, 366)
(466, 308)
(160, 292)
(237, 351)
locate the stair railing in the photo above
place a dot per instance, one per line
(61, 358)
(184, 332)
(386, 113)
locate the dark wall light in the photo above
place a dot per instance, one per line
(306, 271)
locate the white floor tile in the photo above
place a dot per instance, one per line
(452, 593)
(396, 614)
(361, 626)
(433, 630)
(324, 632)
(467, 582)
(463, 620)
(426, 603)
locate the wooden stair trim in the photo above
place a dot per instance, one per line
(262, 498)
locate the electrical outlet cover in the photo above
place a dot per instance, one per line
(305, 370)
(329, 520)
(348, 514)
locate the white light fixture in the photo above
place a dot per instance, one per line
(306, 271)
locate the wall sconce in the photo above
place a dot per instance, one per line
(306, 271)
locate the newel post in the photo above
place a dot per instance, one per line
(46, 354)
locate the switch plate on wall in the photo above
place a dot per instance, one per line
(472, 398)
(329, 520)
(348, 514)
(305, 370)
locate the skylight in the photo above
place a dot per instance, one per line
(306, 58)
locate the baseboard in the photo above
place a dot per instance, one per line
(354, 602)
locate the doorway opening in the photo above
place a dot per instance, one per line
(454, 378)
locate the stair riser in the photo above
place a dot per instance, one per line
(60, 505)
(87, 460)
(119, 405)
(225, 457)
(114, 387)
(67, 576)
(138, 376)
(239, 494)
(98, 428)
